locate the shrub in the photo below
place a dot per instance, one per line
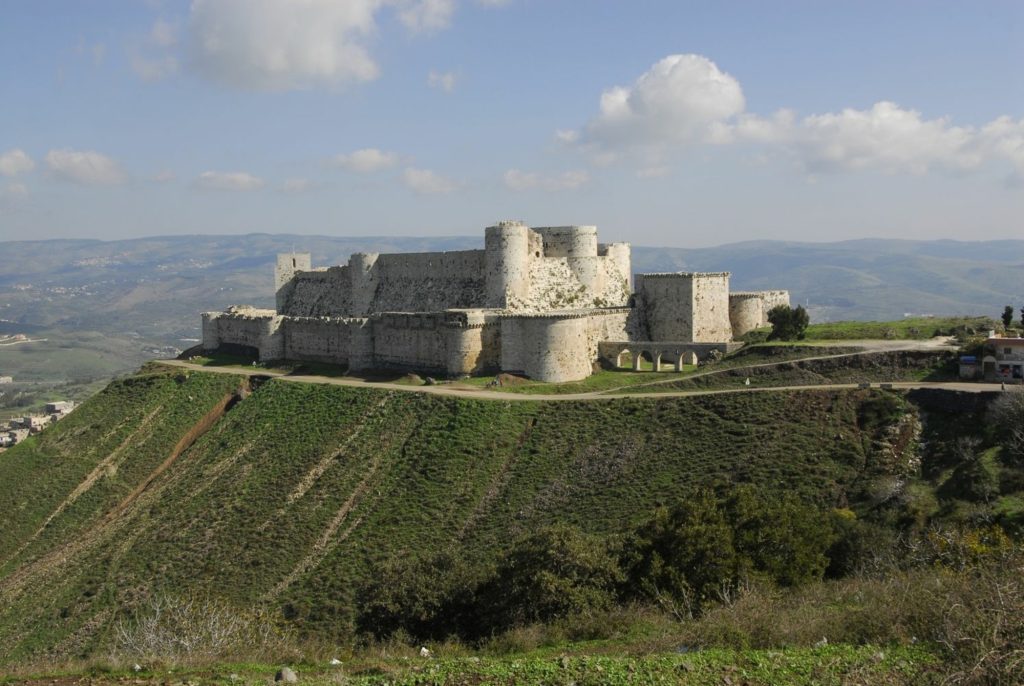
(193, 628)
(788, 324)
(780, 537)
(683, 556)
(423, 597)
(556, 572)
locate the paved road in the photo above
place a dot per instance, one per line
(484, 394)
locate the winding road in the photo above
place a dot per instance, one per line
(487, 394)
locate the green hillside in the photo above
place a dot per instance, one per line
(286, 495)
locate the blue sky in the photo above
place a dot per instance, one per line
(664, 123)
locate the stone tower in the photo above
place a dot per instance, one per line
(287, 264)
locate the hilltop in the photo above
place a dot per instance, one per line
(286, 497)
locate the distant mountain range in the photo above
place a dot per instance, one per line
(155, 287)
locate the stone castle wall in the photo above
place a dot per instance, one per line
(748, 310)
(691, 308)
(246, 329)
(559, 346)
(774, 299)
(318, 339)
(537, 301)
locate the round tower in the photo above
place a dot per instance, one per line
(746, 312)
(507, 254)
(581, 254)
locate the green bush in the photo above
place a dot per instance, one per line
(423, 597)
(781, 538)
(683, 556)
(788, 324)
(556, 572)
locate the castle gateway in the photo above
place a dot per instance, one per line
(545, 302)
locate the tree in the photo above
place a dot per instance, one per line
(684, 556)
(1008, 316)
(556, 572)
(1022, 315)
(779, 537)
(788, 324)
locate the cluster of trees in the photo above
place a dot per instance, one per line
(788, 323)
(683, 558)
(1008, 316)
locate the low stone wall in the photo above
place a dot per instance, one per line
(245, 328)
(319, 339)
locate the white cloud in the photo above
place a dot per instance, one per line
(678, 100)
(296, 185)
(686, 100)
(14, 162)
(427, 182)
(442, 80)
(228, 181)
(366, 160)
(85, 167)
(884, 137)
(522, 181)
(426, 15)
(274, 45)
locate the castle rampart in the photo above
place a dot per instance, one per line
(541, 302)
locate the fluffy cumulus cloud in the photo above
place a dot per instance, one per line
(686, 100)
(524, 181)
(275, 45)
(427, 182)
(885, 137)
(85, 167)
(228, 181)
(680, 99)
(366, 160)
(14, 162)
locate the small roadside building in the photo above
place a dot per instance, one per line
(1004, 360)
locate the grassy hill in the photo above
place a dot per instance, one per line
(284, 496)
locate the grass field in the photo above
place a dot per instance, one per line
(582, 664)
(911, 328)
(373, 473)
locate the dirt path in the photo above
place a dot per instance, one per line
(483, 394)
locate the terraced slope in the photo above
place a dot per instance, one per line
(170, 482)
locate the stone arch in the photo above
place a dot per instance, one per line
(656, 360)
(619, 364)
(639, 357)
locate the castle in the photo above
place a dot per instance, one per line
(545, 302)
